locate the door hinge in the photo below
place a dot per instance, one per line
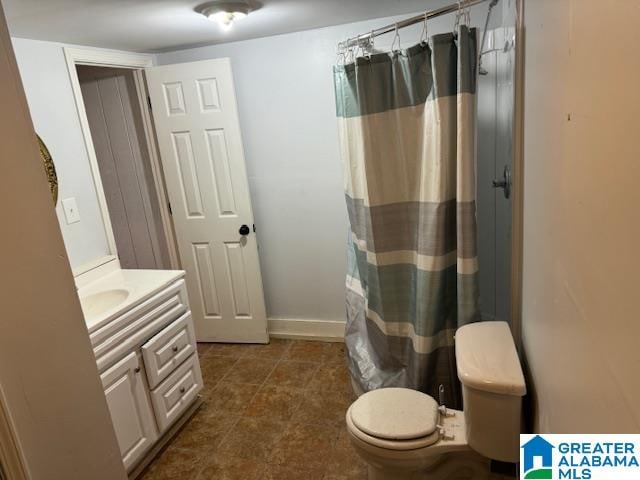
(149, 102)
(254, 228)
(169, 207)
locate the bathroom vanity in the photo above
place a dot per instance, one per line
(142, 336)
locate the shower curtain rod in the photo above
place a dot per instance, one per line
(357, 41)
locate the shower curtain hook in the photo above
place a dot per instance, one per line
(371, 43)
(351, 57)
(396, 37)
(458, 15)
(467, 15)
(424, 36)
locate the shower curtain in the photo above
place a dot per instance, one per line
(407, 131)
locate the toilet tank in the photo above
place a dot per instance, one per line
(492, 388)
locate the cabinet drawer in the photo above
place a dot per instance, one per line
(168, 349)
(174, 395)
(132, 329)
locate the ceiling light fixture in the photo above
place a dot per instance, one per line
(224, 13)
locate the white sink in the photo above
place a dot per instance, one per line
(100, 302)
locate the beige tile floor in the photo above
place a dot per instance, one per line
(270, 412)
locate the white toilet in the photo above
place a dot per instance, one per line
(404, 434)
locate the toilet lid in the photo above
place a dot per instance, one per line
(395, 414)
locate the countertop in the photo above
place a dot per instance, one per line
(141, 285)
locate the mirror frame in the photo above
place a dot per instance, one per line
(101, 58)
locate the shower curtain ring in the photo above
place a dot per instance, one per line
(396, 38)
(458, 15)
(467, 15)
(424, 35)
(351, 57)
(370, 46)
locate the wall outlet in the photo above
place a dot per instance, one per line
(70, 209)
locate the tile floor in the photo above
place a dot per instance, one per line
(270, 412)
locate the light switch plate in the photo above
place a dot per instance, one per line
(70, 209)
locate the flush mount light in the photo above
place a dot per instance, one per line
(224, 13)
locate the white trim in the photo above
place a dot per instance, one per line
(517, 175)
(107, 58)
(12, 462)
(96, 272)
(156, 169)
(73, 57)
(93, 264)
(300, 329)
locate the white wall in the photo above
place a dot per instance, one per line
(284, 88)
(581, 331)
(49, 383)
(285, 95)
(46, 82)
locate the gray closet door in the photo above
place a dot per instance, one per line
(495, 151)
(114, 119)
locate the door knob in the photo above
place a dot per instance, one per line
(505, 182)
(244, 230)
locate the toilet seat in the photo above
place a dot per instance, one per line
(395, 419)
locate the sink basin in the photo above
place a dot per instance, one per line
(100, 302)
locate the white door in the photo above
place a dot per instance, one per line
(130, 409)
(196, 119)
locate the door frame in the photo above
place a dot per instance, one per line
(136, 62)
(12, 464)
(517, 176)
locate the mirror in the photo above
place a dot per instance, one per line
(49, 169)
(82, 219)
(52, 105)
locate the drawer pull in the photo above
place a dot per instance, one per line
(136, 370)
(175, 348)
(183, 389)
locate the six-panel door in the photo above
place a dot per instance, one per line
(196, 119)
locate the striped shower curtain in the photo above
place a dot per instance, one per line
(407, 129)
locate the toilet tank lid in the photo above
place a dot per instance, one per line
(487, 359)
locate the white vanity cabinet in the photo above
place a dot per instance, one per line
(147, 357)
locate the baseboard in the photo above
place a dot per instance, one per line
(320, 330)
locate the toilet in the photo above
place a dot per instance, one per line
(404, 434)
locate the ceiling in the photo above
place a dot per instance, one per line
(161, 25)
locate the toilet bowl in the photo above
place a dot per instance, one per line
(404, 434)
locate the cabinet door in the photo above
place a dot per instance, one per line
(130, 410)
